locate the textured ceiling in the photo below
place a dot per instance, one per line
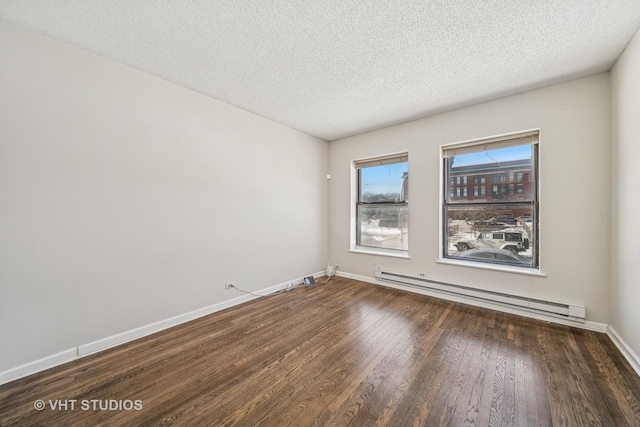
(333, 68)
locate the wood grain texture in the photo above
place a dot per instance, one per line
(344, 353)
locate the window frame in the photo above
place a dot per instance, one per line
(534, 203)
(357, 204)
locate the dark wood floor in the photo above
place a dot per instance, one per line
(344, 353)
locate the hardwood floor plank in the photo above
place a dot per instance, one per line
(558, 391)
(401, 382)
(486, 396)
(434, 373)
(620, 392)
(446, 405)
(588, 397)
(500, 383)
(344, 353)
(354, 404)
(476, 378)
(528, 380)
(369, 323)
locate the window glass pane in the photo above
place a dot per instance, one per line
(499, 166)
(386, 183)
(493, 233)
(383, 226)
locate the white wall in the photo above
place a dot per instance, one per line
(625, 88)
(575, 143)
(126, 199)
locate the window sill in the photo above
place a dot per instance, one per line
(503, 268)
(383, 252)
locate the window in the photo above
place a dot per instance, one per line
(475, 191)
(464, 192)
(475, 179)
(482, 179)
(501, 226)
(382, 202)
(464, 179)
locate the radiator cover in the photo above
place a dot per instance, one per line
(557, 309)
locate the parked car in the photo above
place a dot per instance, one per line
(509, 240)
(493, 255)
(505, 219)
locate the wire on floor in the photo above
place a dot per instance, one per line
(293, 286)
(250, 293)
(330, 276)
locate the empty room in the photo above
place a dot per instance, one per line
(331, 213)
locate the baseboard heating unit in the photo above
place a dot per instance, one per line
(556, 309)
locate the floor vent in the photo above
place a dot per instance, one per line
(565, 311)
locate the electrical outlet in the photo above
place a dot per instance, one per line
(422, 274)
(229, 285)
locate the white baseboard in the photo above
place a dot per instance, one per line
(589, 325)
(38, 365)
(133, 334)
(627, 352)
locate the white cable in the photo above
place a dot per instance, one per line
(335, 271)
(247, 292)
(292, 287)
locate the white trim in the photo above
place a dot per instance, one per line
(589, 325)
(381, 251)
(539, 237)
(486, 266)
(485, 139)
(152, 328)
(381, 160)
(38, 365)
(358, 277)
(627, 352)
(133, 334)
(380, 156)
(353, 182)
